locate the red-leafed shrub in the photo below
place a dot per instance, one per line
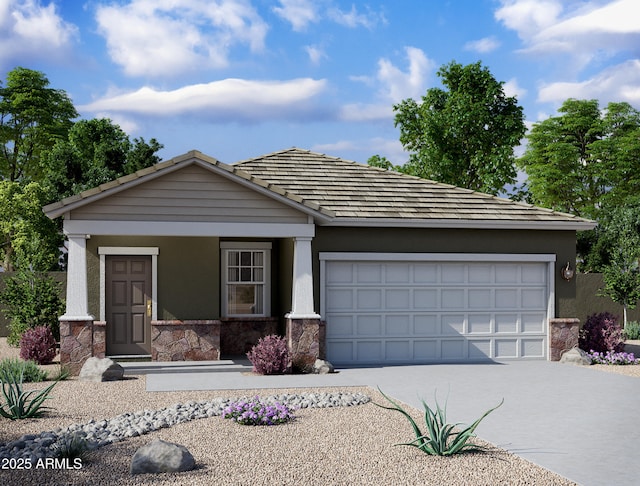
(270, 356)
(601, 333)
(38, 344)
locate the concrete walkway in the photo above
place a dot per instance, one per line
(578, 422)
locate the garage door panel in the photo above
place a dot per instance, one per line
(369, 325)
(452, 324)
(426, 350)
(533, 323)
(453, 349)
(397, 350)
(401, 312)
(425, 273)
(369, 351)
(397, 325)
(533, 298)
(369, 299)
(397, 299)
(479, 323)
(453, 299)
(425, 298)
(533, 348)
(426, 324)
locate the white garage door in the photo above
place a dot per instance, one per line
(434, 311)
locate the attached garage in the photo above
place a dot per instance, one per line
(419, 308)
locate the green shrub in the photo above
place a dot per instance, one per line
(632, 330)
(440, 438)
(31, 299)
(15, 368)
(73, 446)
(19, 404)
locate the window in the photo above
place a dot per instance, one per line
(246, 279)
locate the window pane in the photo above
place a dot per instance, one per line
(233, 274)
(258, 258)
(245, 274)
(242, 299)
(245, 258)
(234, 258)
(257, 274)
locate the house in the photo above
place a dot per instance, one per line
(196, 259)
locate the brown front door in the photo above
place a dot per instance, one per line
(128, 304)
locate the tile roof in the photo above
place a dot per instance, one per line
(355, 191)
(342, 192)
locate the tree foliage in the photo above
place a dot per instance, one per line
(33, 117)
(583, 160)
(96, 151)
(619, 256)
(28, 237)
(464, 135)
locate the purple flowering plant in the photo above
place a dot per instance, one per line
(613, 358)
(256, 412)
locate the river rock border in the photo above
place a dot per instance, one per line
(98, 433)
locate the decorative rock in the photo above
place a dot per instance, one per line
(322, 367)
(101, 369)
(161, 456)
(576, 356)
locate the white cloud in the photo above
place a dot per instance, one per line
(29, 29)
(512, 88)
(228, 100)
(169, 37)
(589, 29)
(617, 83)
(393, 84)
(354, 19)
(484, 45)
(299, 13)
(316, 54)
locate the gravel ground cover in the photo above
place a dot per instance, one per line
(344, 445)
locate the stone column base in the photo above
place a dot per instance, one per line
(303, 340)
(563, 336)
(76, 344)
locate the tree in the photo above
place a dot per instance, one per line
(96, 151)
(29, 239)
(381, 162)
(464, 136)
(620, 271)
(583, 161)
(32, 118)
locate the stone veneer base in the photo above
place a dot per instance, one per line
(188, 340)
(80, 340)
(563, 336)
(303, 340)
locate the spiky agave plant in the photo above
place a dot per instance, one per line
(439, 438)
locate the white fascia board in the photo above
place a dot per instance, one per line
(181, 228)
(438, 257)
(462, 224)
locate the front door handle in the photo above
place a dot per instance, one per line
(149, 308)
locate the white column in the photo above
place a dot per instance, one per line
(77, 295)
(302, 294)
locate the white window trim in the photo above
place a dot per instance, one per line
(103, 251)
(226, 247)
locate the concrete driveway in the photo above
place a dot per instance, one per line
(578, 422)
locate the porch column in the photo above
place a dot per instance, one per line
(303, 324)
(77, 295)
(302, 294)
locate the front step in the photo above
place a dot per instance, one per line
(220, 366)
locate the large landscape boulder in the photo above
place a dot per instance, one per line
(101, 369)
(322, 367)
(576, 356)
(161, 456)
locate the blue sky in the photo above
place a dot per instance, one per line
(241, 78)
